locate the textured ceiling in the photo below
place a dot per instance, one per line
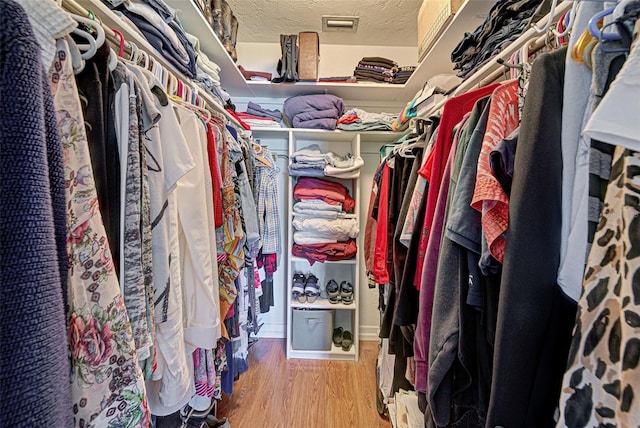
(382, 22)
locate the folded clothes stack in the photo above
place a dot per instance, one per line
(312, 162)
(402, 74)
(328, 191)
(208, 73)
(158, 25)
(321, 232)
(257, 121)
(309, 162)
(506, 21)
(375, 69)
(214, 89)
(356, 119)
(319, 111)
(203, 62)
(258, 110)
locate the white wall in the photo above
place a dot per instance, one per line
(275, 321)
(335, 60)
(369, 313)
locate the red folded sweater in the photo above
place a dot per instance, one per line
(329, 191)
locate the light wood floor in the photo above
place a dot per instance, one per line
(281, 393)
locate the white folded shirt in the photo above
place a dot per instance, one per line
(307, 238)
(340, 229)
(332, 215)
(316, 204)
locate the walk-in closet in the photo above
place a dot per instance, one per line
(310, 214)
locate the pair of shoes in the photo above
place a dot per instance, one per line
(192, 418)
(340, 293)
(333, 291)
(342, 338)
(305, 287)
(213, 422)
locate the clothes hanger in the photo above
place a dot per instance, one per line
(121, 43)
(626, 38)
(77, 62)
(91, 48)
(100, 35)
(569, 20)
(172, 85)
(135, 53)
(577, 53)
(205, 114)
(549, 21)
(595, 25)
(187, 94)
(113, 59)
(508, 65)
(145, 57)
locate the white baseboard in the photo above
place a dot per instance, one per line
(278, 331)
(273, 331)
(369, 333)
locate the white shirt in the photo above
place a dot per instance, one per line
(617, 118)
(201, 315)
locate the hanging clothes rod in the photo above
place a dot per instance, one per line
(141, 44)
(493, 71)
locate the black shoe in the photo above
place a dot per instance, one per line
(337, 336)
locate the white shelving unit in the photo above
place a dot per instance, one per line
(284, 141)
(470, 15)
(345, 316)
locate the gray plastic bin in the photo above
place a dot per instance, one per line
(312, 329)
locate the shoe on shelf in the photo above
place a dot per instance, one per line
(347, 340)
(346, 292)
(333, 291)
(297, 290)
(311, 288)
(337, 336)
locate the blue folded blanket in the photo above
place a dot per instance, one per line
(319, 111)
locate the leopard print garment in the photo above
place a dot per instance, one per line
(601, 387)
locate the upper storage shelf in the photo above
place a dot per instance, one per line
(195, 23)
(437, 60)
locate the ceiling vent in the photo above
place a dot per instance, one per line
(347, 24)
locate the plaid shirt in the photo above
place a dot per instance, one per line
(265, 192)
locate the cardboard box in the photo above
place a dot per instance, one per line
(308, 55)
(433, 17)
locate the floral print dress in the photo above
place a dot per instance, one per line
(107, 385)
